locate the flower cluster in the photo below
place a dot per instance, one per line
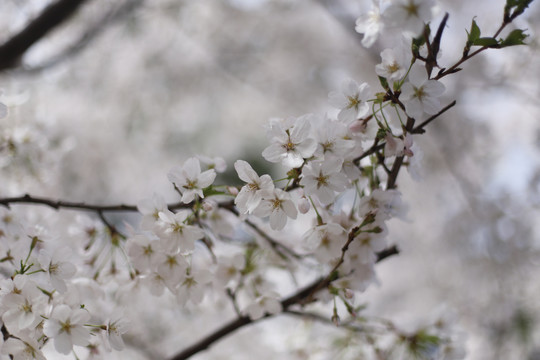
(41, 302)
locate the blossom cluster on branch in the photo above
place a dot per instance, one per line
(340, 186)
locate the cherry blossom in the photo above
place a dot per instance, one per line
(116, 327)
(409, 15)
(395, 63)
(24, 347)
(264, 304)
(324, 179)
(420, 94)
(66, 327)
(192, 286)
(352, 100)
(58, 269)
(150, 208)
(279, 206)
(22, 308)
(189, 179)
(256, 188)
(370, 24)
(291, 141)
(176, 233)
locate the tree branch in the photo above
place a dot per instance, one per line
(13, 50)
(241, 321)
(60, 204)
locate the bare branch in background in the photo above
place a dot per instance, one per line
(12, 51)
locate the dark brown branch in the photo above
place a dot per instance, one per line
(90, 35)
(13, 50)
(60, 204)
(242, 321)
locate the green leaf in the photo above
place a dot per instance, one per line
(517, 7)
(384, 82)
(516, 37)
(486, 41)
(474, 33)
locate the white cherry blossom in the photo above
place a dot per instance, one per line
(370, 24)
(395, 62)
(352, 100)
(279, 206)
(324, 179)
(333, 138)
(256, 188)
(193, 285)
(264, 304)
(150, 208)
(66, 327)
(409, 15)
(142, 251)
(189, 179)
(57, 267)
(420, 94)
(22, 308)
(24, 347)
(291, 141)
(115, 328)
(176, 233)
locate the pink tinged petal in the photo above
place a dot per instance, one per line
(300, 130)
(51, 328)
(362, 109)
(175, 175)
(407, 91)
(80, 336)
(338, 182)
(80, 316)
(272, 306)
(332, 165)
(66, 270)
(307, 148)
(266, 185)
(166, 216)
(61, 312)
(245, 171)
(189, 195)
(278, 219)
(206, 178)
(58, 284)
(289, 209)
(192, 168)
(264, 209)
(292, 160)
(62, 343)
(434, 88)
(414, 109)
(255, 311)
(13, 346)
(28, 319)
(418, 75)
(274, 153)
(348, 115)
(431, 105)
(325, 195)
(338, 100)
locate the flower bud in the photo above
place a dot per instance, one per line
(303, 205)
(232, 190)
(208, 205)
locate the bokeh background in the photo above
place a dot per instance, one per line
(123, 91)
